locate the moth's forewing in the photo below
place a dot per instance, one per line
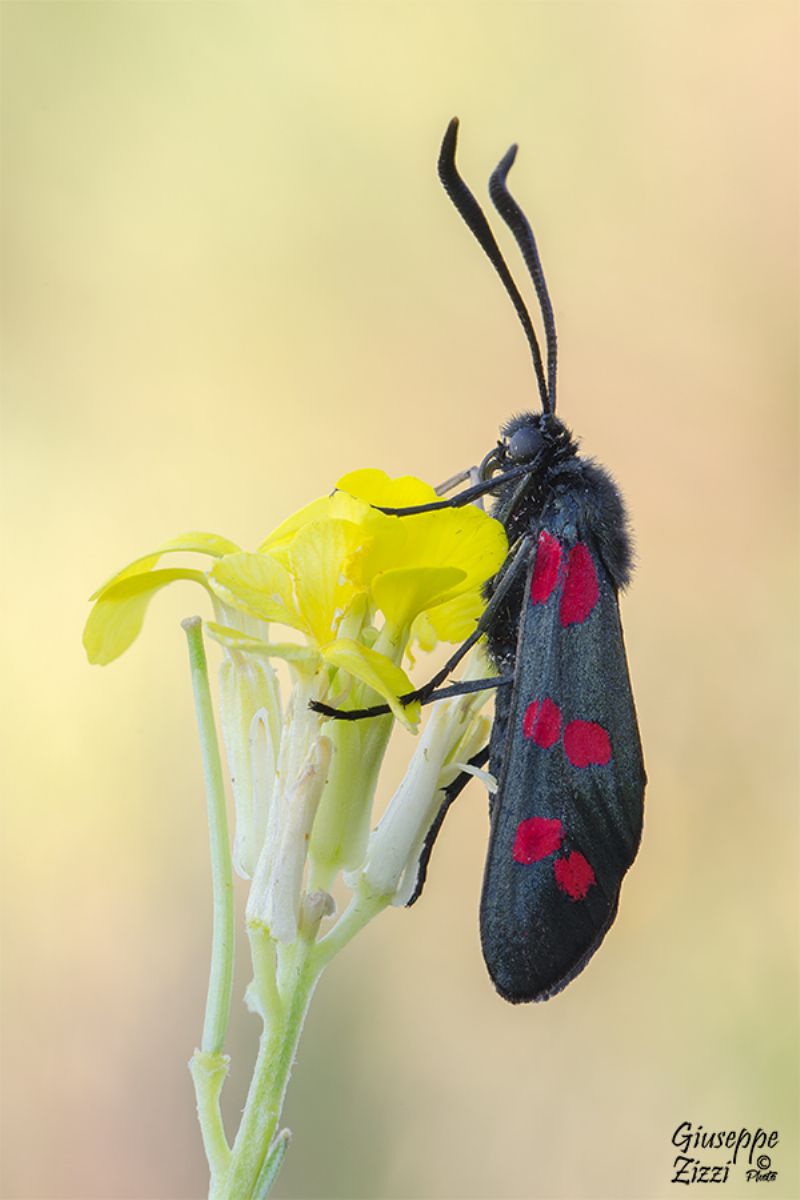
(567, 817)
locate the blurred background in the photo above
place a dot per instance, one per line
(230, 275)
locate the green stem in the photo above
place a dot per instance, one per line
(209, 1072)
(220, 981)
(265, 971)
(362, 908)
(276, 1054)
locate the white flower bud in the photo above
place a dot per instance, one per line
(250, 716)
(277, 883)
(454, 732)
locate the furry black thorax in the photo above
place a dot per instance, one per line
(558, 478)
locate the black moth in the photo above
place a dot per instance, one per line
(566, 818)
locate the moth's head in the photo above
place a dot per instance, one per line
(526, 437)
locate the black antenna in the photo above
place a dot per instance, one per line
(517, 222)
(473, 215)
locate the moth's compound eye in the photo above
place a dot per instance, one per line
(525, 444)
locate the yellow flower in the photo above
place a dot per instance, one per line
(353, 588)
(429, 563)
(328, 572)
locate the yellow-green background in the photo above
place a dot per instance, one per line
(230, 275)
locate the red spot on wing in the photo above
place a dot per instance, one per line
(536, 838)
(580, 588)
(545, 569)
(574, 875)
(542, 723)
(586, 744)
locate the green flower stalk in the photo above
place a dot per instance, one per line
(353, 591)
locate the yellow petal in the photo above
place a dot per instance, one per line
(338, 506)
(452, 621)
(320, 562)
(465, 539)
(401, 594)
(256, 584)
(317, 510)
(234, 639)
(117, 617)
(377, 672)
(376, 487)
(461, 537)
(422, 636)
(194, 542)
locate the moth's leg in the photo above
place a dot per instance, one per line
(473, 474)
(507, 576)
(450, 794)
(466, 497)
(465, 687)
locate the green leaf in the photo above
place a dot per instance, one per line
(272, 1164)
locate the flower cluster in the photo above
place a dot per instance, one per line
(359, 589)
(354, 591)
